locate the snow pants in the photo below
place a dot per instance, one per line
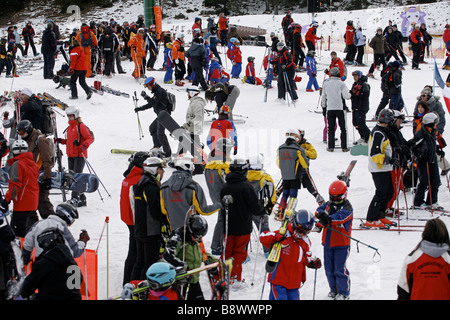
(340, 115)
(159, 137)
(359, 122)
(384, 190)
(428, 179)
(278, 292)
(236, 247)
(338, 277)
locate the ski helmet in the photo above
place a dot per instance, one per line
(160, 275)
(251, 59)
(73, 111)
(256, 161)
(293, 134)
(24, 126)
(19, 146)
(138, 158)
(152, 164)
(50, 237)
(197, 226)
(225, 110)
(302, 222)
(280, 45)
(149, 82)
(386, 116)
(398, 115)
(67, 212)
(430, 119)
(239, 165)
(184, 162)
(337, 191)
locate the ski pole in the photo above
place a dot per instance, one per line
(315, 278)
(141, 133)
(257, 251)
(429, 189)
(356, 240)
(93, 171)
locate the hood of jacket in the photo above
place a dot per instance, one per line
(235, 177)
(179, 180)
(60, 255)
(432, 249)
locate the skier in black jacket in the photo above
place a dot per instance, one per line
(243, 203)
(158, 102)
(55, 273)
(48, 49)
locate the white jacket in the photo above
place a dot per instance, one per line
(195, 115)
(332, 93)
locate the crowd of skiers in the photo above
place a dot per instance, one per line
(165, 219)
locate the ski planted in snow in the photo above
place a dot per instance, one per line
(274, 255)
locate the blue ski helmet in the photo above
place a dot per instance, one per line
(161, 275)
(150, 81)
(302, 220)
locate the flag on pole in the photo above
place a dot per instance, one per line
(440, 82)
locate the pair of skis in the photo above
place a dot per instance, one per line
(54, 101)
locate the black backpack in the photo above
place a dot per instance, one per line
(172, 101)
(108, 42)
(47, 118)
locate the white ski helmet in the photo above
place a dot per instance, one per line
(73, 111)
(430, 119)
(293, 134)
(256, 161)
(151, 165)
(179, 35)
(19, 146)
(184, 162)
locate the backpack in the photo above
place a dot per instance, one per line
(108, 42)
(51, 144)
(90, 131)
(47, 121)
(172, 102)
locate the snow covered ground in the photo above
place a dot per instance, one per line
(112, 118)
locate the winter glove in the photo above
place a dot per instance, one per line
(177, 61)
(127, 292)
(26, 256)
(227, 199)
(70, 72)
(84, 236)
(440, 152)
(235, 151)
(315, 264)
(4, 205)
(60, 140)
(145, 95)
(46, 184)
(324, 218)
(280, 237)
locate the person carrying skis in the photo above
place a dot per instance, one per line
(31, 108)
(216, 169)
(360, 93)
(295, 256)
(78, 139)
(424, 149)
(148, 217)
(240, 204)
(381, 163)
(336, 216)
(180, 192)
(23, 188)
(311, 69)
(183, 250)
(49, 275)
(425, 271)
(160, 283)
(291, 157)
(158, 102)
(137, 49)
